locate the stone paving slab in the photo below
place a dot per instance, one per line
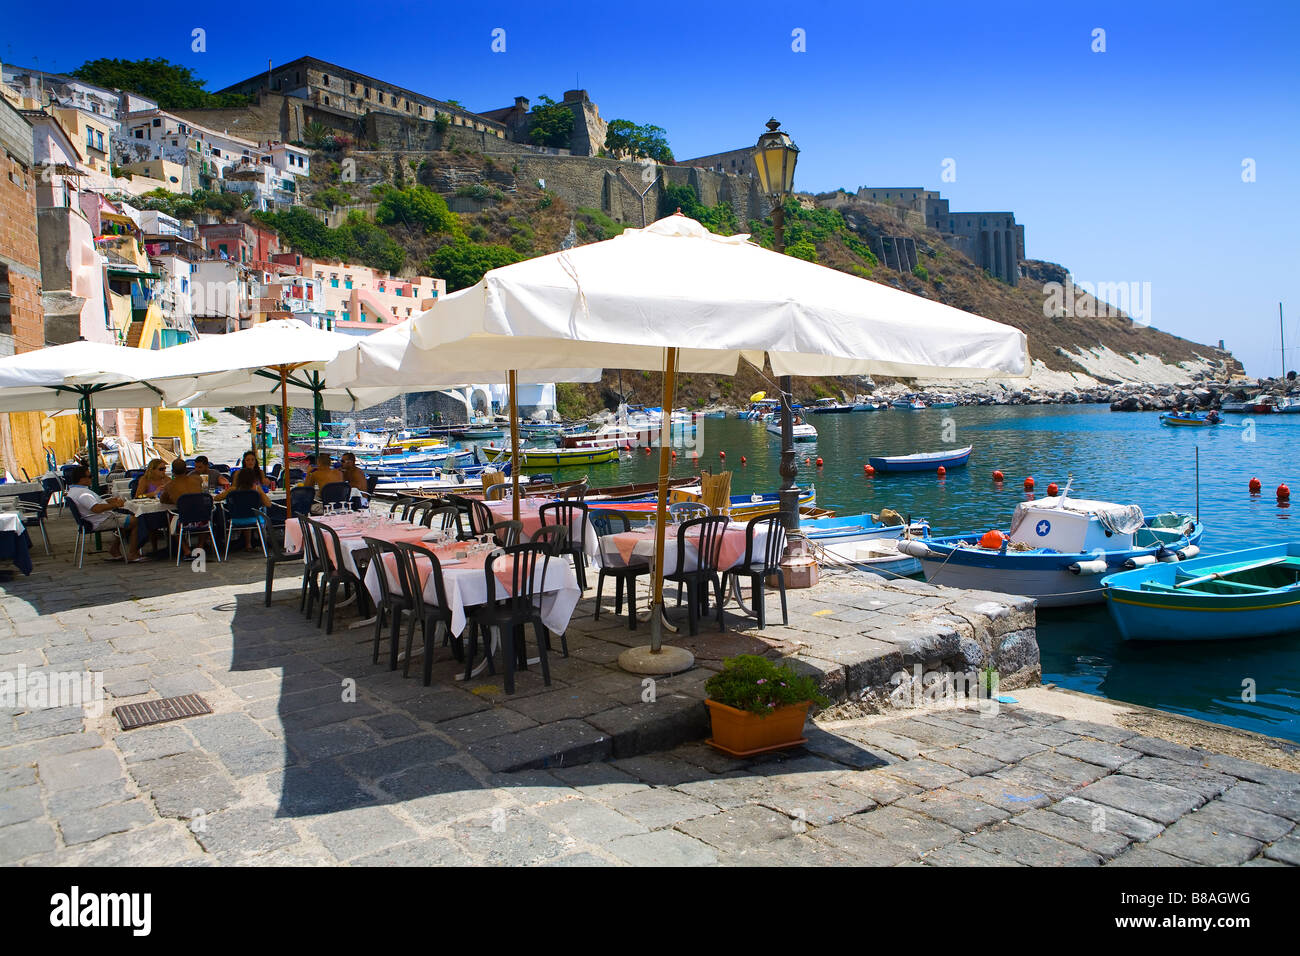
(316, 756)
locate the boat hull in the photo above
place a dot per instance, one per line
(565, 457)
(1046, 577)
(1175, 421)
(928, 462)
(1146, 606)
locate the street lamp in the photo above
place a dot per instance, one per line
(774, 161)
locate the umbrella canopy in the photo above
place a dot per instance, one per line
(621, 302)
(285, 353)
(390, 358)
(228, 369)
(675, 296)
(59, 377)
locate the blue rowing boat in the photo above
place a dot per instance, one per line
(1254, 592)
(925, 461)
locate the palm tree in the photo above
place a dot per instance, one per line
(314, 133)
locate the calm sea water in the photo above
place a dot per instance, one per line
(1114, 456)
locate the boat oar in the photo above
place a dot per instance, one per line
(1214, 576)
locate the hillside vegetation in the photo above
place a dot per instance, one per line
(403, 223)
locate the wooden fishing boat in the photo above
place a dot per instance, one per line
(944, 403)
(1057, 549)
(1254, 592)
(479, 434)
(1190, 419)
(922, 461)
(567, 457)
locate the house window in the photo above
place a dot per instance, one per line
(367, 92)
(139, 133)
(327, 101)
(157, 122)
(325, 80)
(90, 138)
(352, 87)
(380, 97)
(6, 316)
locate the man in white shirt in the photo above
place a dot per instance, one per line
(98, 511)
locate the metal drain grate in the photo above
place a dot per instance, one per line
(131, 716)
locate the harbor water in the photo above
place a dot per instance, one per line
(1123, 457)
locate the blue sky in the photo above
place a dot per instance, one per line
(1123, 165)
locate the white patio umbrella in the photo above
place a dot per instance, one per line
(677, 297)
(389, 357)
(84, 376)
(235, 369)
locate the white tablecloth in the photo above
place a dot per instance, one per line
(11, 521)
(467, 586)
(530, 516)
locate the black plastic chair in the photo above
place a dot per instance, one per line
(574, 492)
(510, 614)
(707, 534)
(35, 506)
(507, 533)
(758, 568)
(277, 555)
(554, 537)
(311, 568)
(244, 512)
(481, 517)
(85, 528)
(333, 573)
(573, 514)
(444, 518)
(335, 493)
(495, 492)
(617, 522)
(194, 516)
(393, 601)
(431, 616)
(54, 485)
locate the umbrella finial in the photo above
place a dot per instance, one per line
(679, 211)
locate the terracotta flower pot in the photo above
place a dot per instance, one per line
(742, 734)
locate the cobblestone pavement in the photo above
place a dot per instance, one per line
(289, 769)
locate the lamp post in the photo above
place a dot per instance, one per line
(774, 161)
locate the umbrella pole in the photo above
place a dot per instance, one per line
(514, 446)
(315, 411)
(656, 658)
(261, 409)
(92, 444)
(252, 425)
(144, 455)
(284, 426)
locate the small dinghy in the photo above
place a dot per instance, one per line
(1058, 549)
(1250, 593)
(924, 461)
(802, 430)
(1190, 419)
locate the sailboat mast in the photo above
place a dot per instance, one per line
(1281, 328)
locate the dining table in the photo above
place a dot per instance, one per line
(530, 516)
(623, 548)
(463, 567)
(15, 543)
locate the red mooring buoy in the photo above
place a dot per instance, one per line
(998, 476)
(1029, 484)
(1053, 490)
(942, 471)
(1283, 493)
(1256, 486)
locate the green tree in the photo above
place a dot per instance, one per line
(625, 138)
(464, 263)
(172, 85)
(314, 133)
(369, 244)
(416, 207)
(552, 124)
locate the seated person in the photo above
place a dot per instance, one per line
(184, 482)
(323, 474)
(249, 463)
(98, 511)
(152, 481)
(353, 475)
(216, 480)
(246, 479)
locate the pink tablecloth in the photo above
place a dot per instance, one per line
(626, 547)
(531, 517)
(352, 531)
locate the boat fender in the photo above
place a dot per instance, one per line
(916, 549)
(1141, 561)
(1188, 552)
(1166, 556)
(1097, 566)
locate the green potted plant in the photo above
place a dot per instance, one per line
(756, 705)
